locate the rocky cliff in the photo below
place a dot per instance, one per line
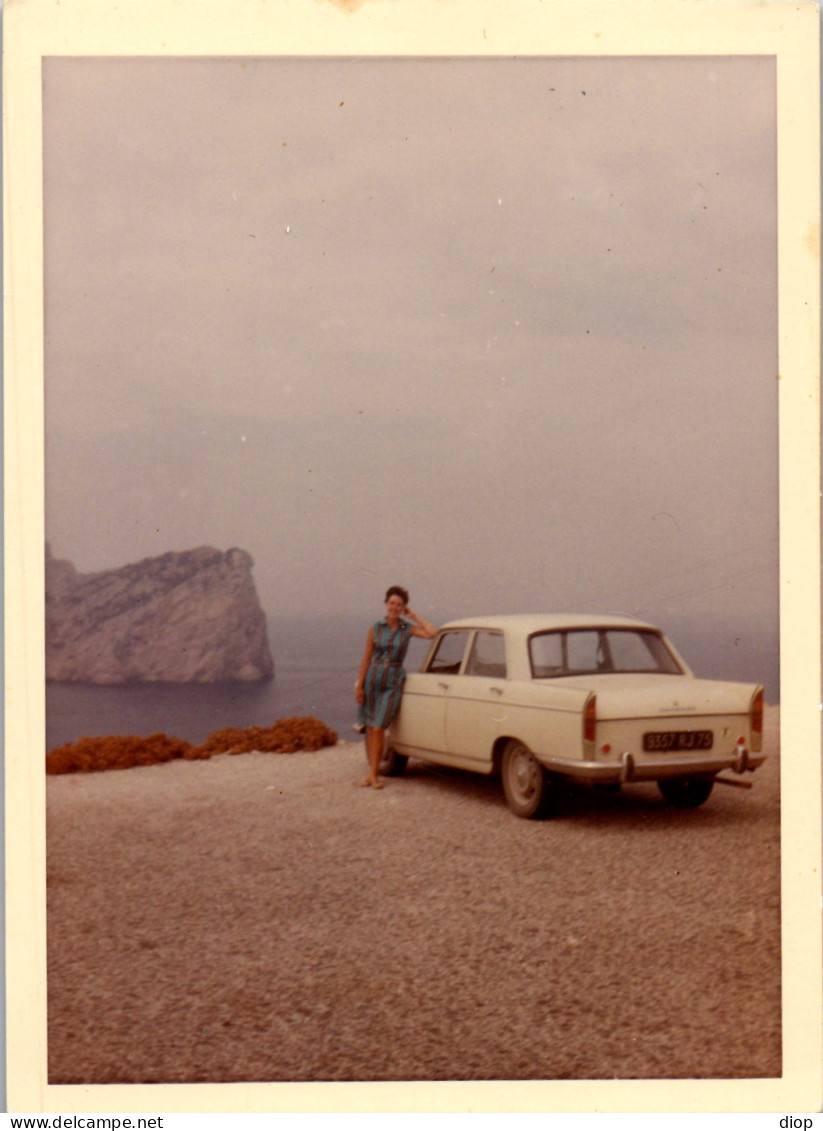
(191, 617)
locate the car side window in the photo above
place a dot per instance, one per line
(448, 653)
(488, 656)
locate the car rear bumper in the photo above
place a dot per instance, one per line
(626, 768)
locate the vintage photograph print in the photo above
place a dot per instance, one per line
(413, 666)
(504, 330)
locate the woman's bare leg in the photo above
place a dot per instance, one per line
(374, 748)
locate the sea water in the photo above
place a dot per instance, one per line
(316, 663)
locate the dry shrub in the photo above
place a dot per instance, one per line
(119, 752)
(285, 737)
(114, 752)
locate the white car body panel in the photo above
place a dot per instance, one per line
(463, 720)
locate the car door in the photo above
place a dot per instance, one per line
(421, 723)
(476, 703)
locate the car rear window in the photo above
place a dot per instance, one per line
(593, 650)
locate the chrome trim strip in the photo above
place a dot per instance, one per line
(643, 771)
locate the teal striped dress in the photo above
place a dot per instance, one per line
(386, 675)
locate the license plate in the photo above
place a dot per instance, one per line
(657, 740)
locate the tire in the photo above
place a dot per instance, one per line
(392, 764)
(686, 793)
(529, 789)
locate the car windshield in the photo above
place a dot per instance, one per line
(592, 650)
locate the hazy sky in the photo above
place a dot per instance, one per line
(503, 331)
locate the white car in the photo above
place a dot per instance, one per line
(600, 699)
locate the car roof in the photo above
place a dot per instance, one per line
(528, 623)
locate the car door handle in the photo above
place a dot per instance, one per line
(496, 690)
(445, 686)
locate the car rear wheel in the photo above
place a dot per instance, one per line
(530, 790)
(392, 764)
(686, 793)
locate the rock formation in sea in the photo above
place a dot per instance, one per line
(189, 617)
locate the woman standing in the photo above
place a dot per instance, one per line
(380, 680)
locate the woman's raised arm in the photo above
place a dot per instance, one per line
(421, 627)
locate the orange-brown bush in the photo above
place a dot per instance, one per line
(119, 752)
(114, 752)
(285, 737)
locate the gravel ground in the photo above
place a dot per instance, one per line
(261, 918)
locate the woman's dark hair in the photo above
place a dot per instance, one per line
(397, 591)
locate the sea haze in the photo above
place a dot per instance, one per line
(316, 663)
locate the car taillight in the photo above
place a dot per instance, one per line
(590, 719)
(757, 720)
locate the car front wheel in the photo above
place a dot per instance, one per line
(686, 793)
(530, 790)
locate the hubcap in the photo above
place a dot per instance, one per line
(522, 775)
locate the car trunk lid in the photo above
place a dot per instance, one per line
(630, 696)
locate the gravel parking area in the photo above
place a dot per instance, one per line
(261, 918)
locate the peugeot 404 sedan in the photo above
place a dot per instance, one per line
(598, 699)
